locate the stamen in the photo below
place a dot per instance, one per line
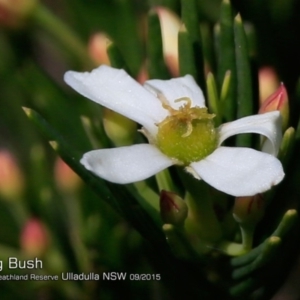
(189, 130)
(165, 103)
(188, 101)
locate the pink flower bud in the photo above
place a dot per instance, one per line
(142, 76)
(277, 101)
(173, 209)
(249, 210)
(11, 178)
(34, 238)
(268, 83)
(66, 179)
(170, 24)
(97, 48)
(14, 13)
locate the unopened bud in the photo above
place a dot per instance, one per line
(170, 24)
(66, 179)
(143, 75)
(11, 178)
(15, 13)
(173, 209)
(97, 48)
(248, 211)
(277, 101)
(287, 145)
(34, 238)
(268, 83)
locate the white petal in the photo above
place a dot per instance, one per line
(240, 171)
(267, 124)
(176, 88)
(126, 164)
(116, 90)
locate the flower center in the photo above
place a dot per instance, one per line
(187, 134)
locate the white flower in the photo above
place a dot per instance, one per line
(234, 170)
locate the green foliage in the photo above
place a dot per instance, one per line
(99, 227)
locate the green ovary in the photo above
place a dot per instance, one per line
(172, 139)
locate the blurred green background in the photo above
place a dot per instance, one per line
(45, 209)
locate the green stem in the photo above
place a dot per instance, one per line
(247, 237)
(151, 197)
(71, 203)
(164, 181)
(149, 200)
(179, 242)
(203, 219)
(235, 249)
(62, 34)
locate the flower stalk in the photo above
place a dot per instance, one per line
(248, 211)
(202, 219)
